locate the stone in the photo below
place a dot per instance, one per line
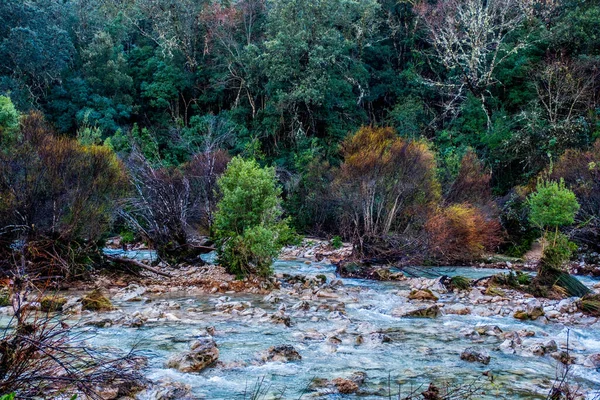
(563, 357)
(488, 330)
(203, 352)
(52, 303)
(345, 386)
(431, 311)
(458, 309)
(281, 353)
(592, 361)
(96, 301)
(475, 354)
(422, 295)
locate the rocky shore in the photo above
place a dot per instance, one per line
(316, 310)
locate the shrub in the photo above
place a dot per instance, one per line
(248, 229)
(384, 184)
(336, 242)
(167, 203)
(461, 233)
(41, 357)
(552, 205)
(557, 251)
(514, 217)
(56, 197)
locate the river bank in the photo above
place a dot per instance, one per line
(308, 332)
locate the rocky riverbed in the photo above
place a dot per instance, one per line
(310, 333)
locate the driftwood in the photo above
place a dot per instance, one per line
(138, 264)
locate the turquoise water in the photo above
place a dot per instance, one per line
(420, 350)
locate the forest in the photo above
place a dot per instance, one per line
(390, 133)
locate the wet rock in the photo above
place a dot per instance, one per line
(422, 295)
(100, 322)
(130, 293)
(592, 361)
(345, 386)
(52, 303)
(563, 357)
(458, 309)
(203, 352)
(96, 301)
(488, 330)
(509, 346)
(228, 307)
(475, 354)
(301, 305)
(169, 391)
(121, 388)
(416, 311)
(534, 309)
(281, 353)
(281, 318)
(73, 306)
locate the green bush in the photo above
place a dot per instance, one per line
(552, 205)
(558, 250)
(336, 242)
(248, 228)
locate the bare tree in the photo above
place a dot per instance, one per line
(168, 203)
(566, 90)
(470, 39)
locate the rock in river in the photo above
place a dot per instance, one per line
(202, 353)
(281, 353)
(475, 354)
(417, 311)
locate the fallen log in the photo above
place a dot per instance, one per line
(127, 261)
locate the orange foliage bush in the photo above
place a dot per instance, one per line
(461, 233)
(385, 183)
(56, 194)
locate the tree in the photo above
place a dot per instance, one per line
(552, 205)
(168, 204)
(384, 183)
(248, 229)
(317, 80)
(471, 39)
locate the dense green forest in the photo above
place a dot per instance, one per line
(400, 125)
(202, 196)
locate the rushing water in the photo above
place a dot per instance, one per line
(421, 350)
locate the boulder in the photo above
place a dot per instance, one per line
(592, 361)
(422, 295)
(488, 330)
(423, 311)
(52, 303)
(96, 301)
(458, 309)
(281, 353)
(345, 386)
(475, 354)
(203, 352)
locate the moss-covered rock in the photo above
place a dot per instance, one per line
(96, 301)
(52, 303)
(422, 295)
(4, 297)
